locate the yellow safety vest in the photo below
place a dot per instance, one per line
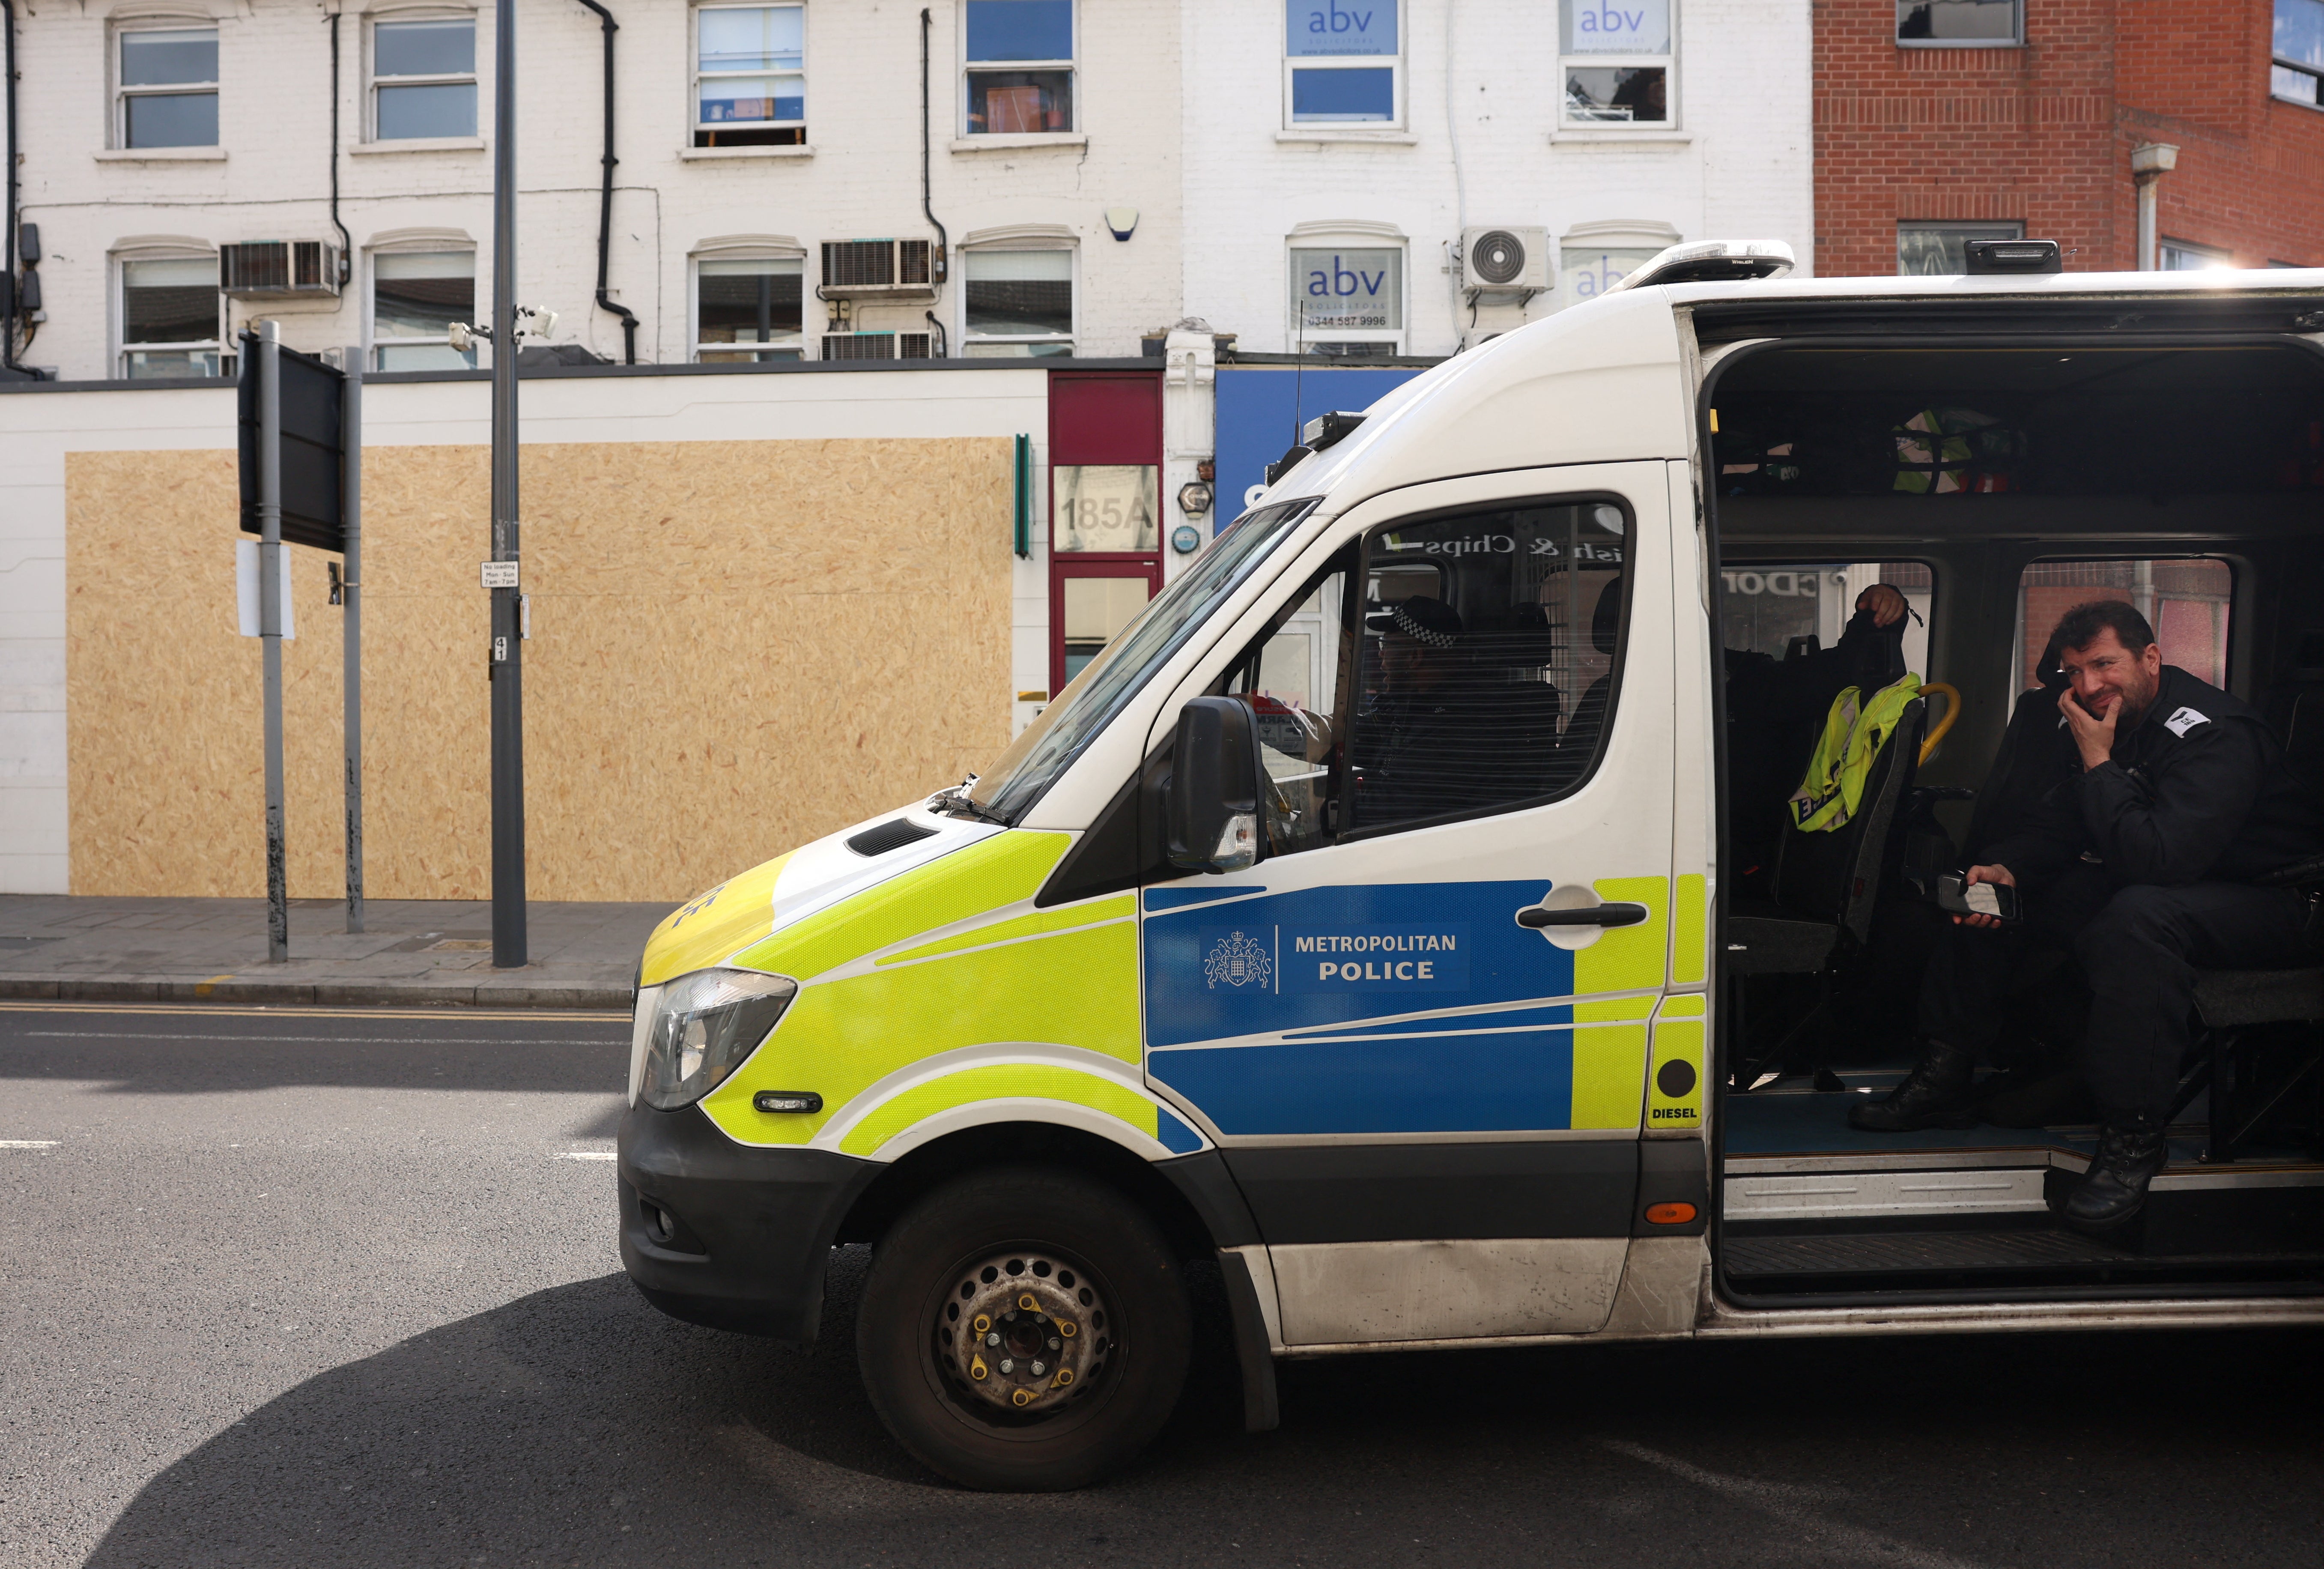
(1854, 731)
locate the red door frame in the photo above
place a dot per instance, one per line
(1100, 417)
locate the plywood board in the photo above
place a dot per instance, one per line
(737, 647)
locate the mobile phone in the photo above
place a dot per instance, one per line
(1997, 899)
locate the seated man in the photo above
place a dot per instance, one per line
(2142, 861)
(1415, 738)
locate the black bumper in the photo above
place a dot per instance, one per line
(736, 1238)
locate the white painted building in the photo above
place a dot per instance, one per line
(158, 133)
(1313, 145)
(1298, 173)
(1336, 151)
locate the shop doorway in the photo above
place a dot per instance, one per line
(1105, 510)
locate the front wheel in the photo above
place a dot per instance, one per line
(1024, 1330)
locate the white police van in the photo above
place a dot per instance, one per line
(1373, 915)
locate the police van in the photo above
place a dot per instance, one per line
(1376, 919)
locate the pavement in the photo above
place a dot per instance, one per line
(326, 1287)
(422, 953)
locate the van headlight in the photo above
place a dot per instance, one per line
(694, 1031)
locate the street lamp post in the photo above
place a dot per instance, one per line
(507, 664)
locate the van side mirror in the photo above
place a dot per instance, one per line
(1211, 805)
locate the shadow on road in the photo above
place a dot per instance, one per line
(577, 1426)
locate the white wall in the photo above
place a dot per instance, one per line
(859, 177)
(39, 428)
(1737, 163)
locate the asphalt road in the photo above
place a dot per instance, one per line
(314, 1287)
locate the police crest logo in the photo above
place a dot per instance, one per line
(2184, 720)
(1237, 960)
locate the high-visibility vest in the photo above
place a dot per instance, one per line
(1854, 731)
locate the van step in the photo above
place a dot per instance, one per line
(1779, 1259)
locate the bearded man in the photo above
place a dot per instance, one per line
(2142, 861)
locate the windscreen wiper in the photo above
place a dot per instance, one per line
(955, 801)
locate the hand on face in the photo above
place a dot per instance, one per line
(2106, 685)
(1999, 875)
(1885, 601)
(2093, 735)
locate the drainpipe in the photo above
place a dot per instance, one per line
(8, 299)
(942, 263)
(2149, 162)
(605, 195)
(346, 243)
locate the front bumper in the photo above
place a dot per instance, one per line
(719, 1233)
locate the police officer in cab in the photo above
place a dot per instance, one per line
(2143, 862)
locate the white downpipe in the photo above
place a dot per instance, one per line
(1460, 262)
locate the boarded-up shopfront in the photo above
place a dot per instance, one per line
(762, 608)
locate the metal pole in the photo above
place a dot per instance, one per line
(270, 628)
(2149, 162)
(506, 663)
(351, 628)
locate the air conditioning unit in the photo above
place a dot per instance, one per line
(875, 346)
(1506, 261)
(279, 269)
(876, 269)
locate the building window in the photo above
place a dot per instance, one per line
(2299, 73)
(1618, 62)
(168, 96)
(1347, 301)
(1017, 302)
(1594, 256)
(1021, 66)
(169, 318)
(741, 305)
(2187, 601)
(2185, 256)
(1940, 249)
(750, 77)
(1341, 62)
(1953, 23)
(423, 79)
(415, 296)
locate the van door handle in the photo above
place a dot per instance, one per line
(1596, 915)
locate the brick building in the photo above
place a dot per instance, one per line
(1940, 121)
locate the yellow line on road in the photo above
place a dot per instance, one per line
(306, 1010)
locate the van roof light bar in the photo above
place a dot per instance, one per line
(1991, 256)
(1712, 262)
(1325, 430)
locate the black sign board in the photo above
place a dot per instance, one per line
(312, 494)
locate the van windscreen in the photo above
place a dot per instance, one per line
(1042, 751)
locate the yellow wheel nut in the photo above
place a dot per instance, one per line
(976, 1370)
(982, 1323)
(1023, 1397)
(1066, 1328)
(1026, 1303)
(1064, 1377)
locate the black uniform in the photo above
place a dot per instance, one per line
(2142, 866)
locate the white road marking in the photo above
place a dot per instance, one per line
(1794, 1505)
(30, 1143)
(589, 1155)
(305, 1040)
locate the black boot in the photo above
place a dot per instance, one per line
(1934, 1094)
(2130, 1152)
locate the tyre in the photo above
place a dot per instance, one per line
(1024, 1330)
